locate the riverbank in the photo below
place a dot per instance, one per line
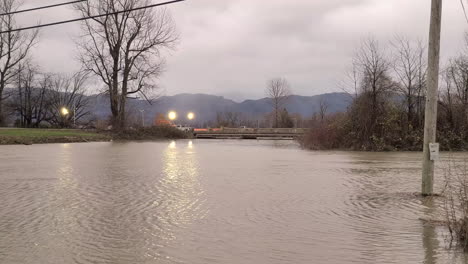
(29, 136)
(334, 137)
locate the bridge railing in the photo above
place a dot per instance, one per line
(229, 130)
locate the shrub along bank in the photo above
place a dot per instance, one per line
(149, 133)
(390, 131)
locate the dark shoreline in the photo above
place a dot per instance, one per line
(30, 136)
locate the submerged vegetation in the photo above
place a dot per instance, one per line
(456, 205)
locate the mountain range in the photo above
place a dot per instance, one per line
(207, 106)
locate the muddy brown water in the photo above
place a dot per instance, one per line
(205, 201)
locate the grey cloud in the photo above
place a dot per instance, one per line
(232, 47)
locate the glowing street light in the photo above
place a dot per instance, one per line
(172, 115)
(190, 116)
(64, 111)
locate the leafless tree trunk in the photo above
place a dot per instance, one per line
(350, 84)
(447, 100)
(14, 48)
(323, 107)
(29, 99)
(279, 91)
(374, 68)
(410, 69)
(124, 50)
(458, 75)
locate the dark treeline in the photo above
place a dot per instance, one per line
(28, 96)
(387, 112)
(45, 99)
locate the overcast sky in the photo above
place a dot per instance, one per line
(232, 47)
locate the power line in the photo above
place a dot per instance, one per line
(41, 7)
(464, 10)
(90, 17)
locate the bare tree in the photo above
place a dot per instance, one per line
(351, 80)
(374, 69)
(124, 50)
(67, 93)
(447, 99)
(14, 48)
(228, 119)
(458, 73)
(323, 107)
(278, 90)
(29, 100)
(410, 69)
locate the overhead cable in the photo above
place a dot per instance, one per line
(90, 17)
(464, 10)
(41, 7)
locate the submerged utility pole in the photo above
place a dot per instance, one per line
(430, 121)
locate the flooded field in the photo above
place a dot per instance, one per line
(203, 201)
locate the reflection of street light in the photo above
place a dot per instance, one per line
(172, 145)
(64, 111)
(190, 116)
(172, 115)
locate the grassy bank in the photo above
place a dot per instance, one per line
(28, 136)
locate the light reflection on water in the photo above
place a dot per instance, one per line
(193, 201)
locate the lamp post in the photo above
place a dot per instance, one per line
(172, 115)
(142, 111)
(74, 114)
(64, 112)
(190, 118)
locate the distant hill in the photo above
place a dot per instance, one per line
(206, 106)
(303, 105)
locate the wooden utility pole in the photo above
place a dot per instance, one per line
(430, 121)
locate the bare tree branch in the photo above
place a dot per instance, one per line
(124, 50)
(279, 91)
(14, 48)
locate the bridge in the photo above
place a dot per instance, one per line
(249, 133)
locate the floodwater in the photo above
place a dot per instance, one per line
(202, 201)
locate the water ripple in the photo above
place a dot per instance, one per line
(212, 202)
